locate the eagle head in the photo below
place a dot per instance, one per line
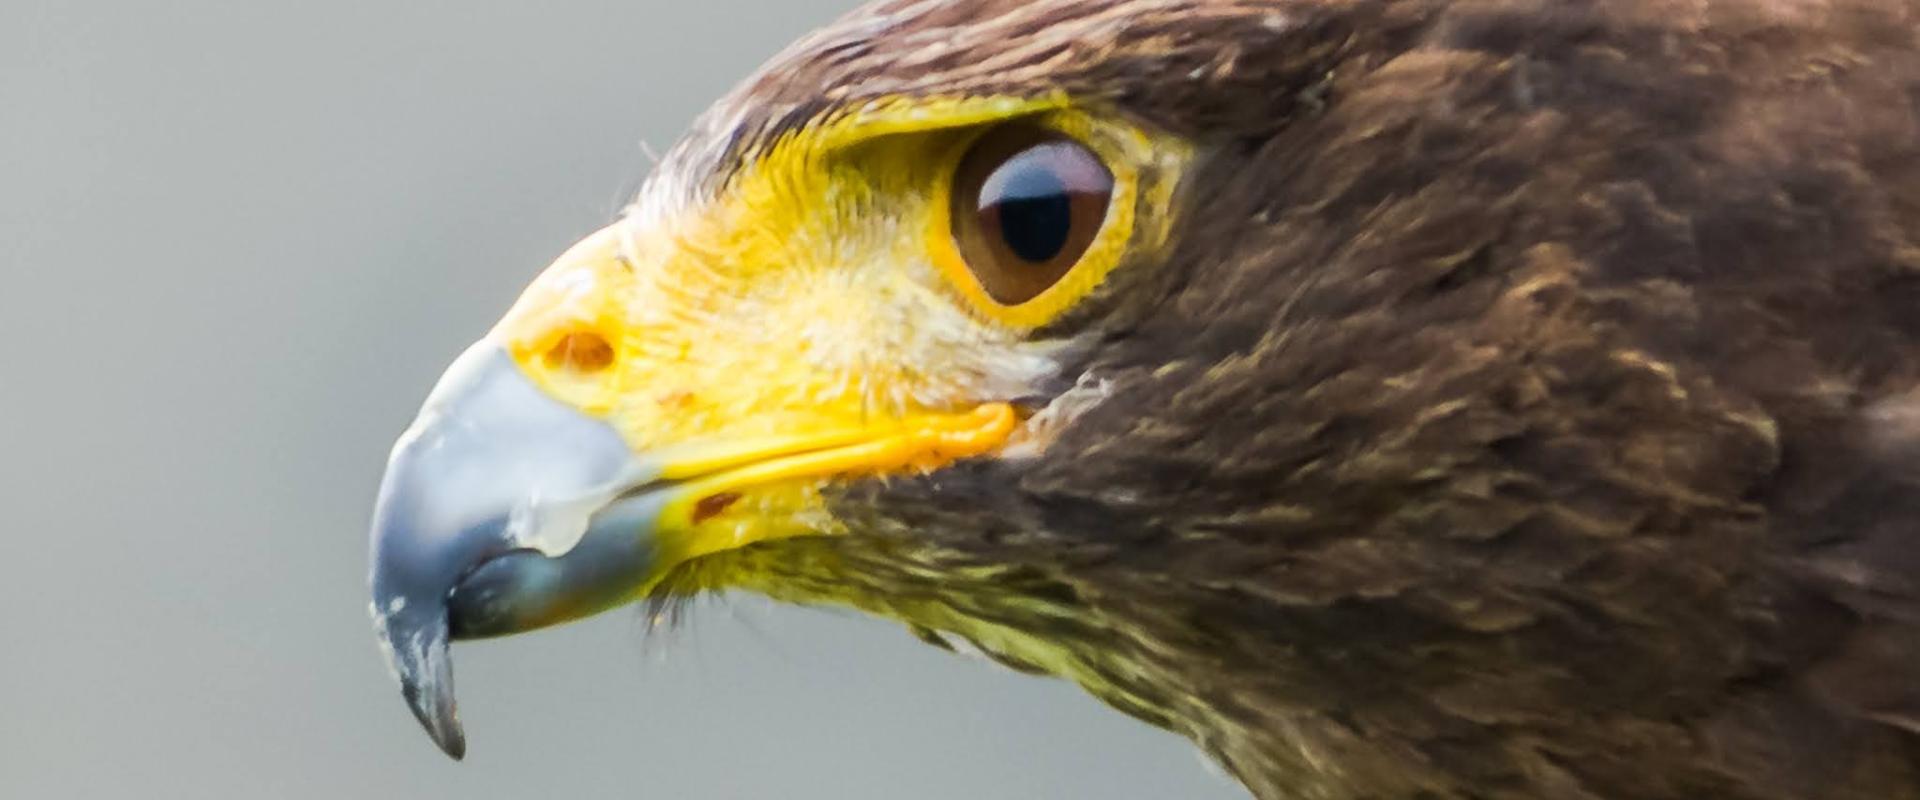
(1407, 399)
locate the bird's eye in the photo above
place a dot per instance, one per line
(1027, 202)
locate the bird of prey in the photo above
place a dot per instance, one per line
(1398, 398)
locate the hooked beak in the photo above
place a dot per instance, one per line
(505, 510)
(502, 510)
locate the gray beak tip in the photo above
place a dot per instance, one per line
(417, 648)
(444, 728)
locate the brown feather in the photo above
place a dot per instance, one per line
(1529, 410)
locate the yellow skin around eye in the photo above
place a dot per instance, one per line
(818, 294)
(1121, 150)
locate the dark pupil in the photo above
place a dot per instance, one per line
(1035, 210)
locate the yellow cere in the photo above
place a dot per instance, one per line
(810, 319)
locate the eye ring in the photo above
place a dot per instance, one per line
(1027, 204)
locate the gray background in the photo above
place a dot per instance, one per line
(238, 241)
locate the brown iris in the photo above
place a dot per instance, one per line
(1027, 203)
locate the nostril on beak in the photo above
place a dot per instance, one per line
(581, 351)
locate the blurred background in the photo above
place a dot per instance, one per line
(238, 242)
